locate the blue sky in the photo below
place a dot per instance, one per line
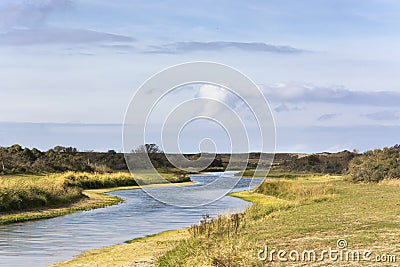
(330, 69)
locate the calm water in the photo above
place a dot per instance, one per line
(40, 243)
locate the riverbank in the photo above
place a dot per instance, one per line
(299, 214)
(88, 199)
(142, 252)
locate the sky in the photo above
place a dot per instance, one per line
(330, 70)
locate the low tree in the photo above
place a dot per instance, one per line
(3, 159)
(148, 148)
(58, 149)
(397, 146)
(375, 165)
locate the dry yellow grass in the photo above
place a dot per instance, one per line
(390, 182)
(95, 198)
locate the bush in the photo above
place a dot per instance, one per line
(375, 165)
(332, 163)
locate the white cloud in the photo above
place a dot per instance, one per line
(58, 36)
(216, 93)
(305, 93)
(213, 92)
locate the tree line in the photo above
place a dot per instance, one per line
(18, 160)
(329, 163)
(372, 165)
(376, 165)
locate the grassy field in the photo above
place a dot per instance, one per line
(29, 197)
(306, 213)
(310, 213)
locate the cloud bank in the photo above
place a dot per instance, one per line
(187, 47)
(301, 93)
(58, 36)
(25, 23)
(327, 117)
(386, 115)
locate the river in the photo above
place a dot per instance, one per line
(43, 242)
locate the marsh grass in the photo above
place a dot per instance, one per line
(86, 180)
(229, 240)
(295, 191)
(24, 193)
(222, 225)
(27, 192)
(274, 173)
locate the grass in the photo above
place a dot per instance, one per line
(139, 252)
(86, 180)
(31, 197)
(274, 173)
(92, 199)
(169, 176)
(390, 182)
(306, 213)
(295, 191)
(27, 192)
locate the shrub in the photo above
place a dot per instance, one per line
(375, 165)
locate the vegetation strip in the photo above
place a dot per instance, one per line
(93, 198)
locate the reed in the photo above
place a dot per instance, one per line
(86, 180)
(25, 193)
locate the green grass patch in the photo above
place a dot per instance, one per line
(295, 191)
(303, 213)
(276, 173)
